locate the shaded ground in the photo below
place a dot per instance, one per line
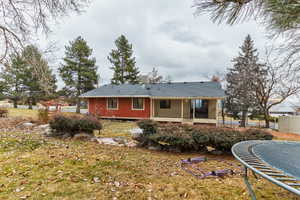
(35, 167)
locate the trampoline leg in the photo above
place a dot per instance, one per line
(249, 187)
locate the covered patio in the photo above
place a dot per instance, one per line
(185, 110)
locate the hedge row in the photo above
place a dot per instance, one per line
(195, 138)
(74, 124)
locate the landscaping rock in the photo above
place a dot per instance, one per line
(27, 124)
(43, 126)
(154, 148)
(136, 132)
(94, 139)
(83, 136)
(47, 132)
(66, 136)
(131, 144)
(108, 141)
(120, 140)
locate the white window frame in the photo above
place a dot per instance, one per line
(108, 108)
(132, 108)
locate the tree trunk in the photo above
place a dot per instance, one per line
(78, 105)
(267, 119)
(30, 103)
(244, 116)
(15, 101)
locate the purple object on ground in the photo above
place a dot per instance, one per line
(194, 160)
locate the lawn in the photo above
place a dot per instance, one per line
(35, 167)
(26, 113)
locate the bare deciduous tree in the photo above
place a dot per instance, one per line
(151, 77)
(21, 19)
(279, 82)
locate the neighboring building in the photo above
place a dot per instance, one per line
(186, 102)
(284, 108)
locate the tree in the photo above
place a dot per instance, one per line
(20, 79)
(20, 20)
(277, 81)
(79, 71)
(241, 96)
(151, 77)
(36, 85)
(168, 79)
(123, 63)
(13, 78)
(280, 17)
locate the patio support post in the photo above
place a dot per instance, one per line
(194, 107)
(182, 108)
(249, 187)
(151, 108)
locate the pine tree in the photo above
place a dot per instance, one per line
(13, 78)
(39, 81)
(79, 71)
(123, 63)
(281, 17)
(21, 78)
(240, 91)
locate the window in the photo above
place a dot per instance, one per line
(165, 104)
(112, 103)
(137, 104)
(201, 108)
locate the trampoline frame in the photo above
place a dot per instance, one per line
(250, 161)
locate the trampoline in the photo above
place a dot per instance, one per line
(276, 161)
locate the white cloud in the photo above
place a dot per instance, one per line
(165, 34)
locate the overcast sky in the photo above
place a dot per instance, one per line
(165, 34)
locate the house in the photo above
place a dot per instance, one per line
(284, 108)
(185, 102)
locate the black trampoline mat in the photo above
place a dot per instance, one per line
(284, 156)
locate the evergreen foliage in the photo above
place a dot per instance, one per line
(280, 17)
(34, 81)
(195, 138)
(74, 124)
(79, 70)
(123, 63)
(12, 78)
(240, 91)
(21, 80)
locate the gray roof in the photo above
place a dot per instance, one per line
(176, 89)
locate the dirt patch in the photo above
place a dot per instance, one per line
(285, 136)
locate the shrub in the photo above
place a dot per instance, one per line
(87, 124)
(74, 124)
(148, 126)
(174, 136)
(196, 138)
(61, 123)
(43, 115)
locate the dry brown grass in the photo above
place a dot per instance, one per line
(34, 167)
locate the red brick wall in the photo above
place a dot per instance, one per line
(98, 106)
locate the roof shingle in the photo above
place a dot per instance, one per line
(176, 89)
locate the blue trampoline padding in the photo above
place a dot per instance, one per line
(284, 156)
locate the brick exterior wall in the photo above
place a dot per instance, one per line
(98, 106)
